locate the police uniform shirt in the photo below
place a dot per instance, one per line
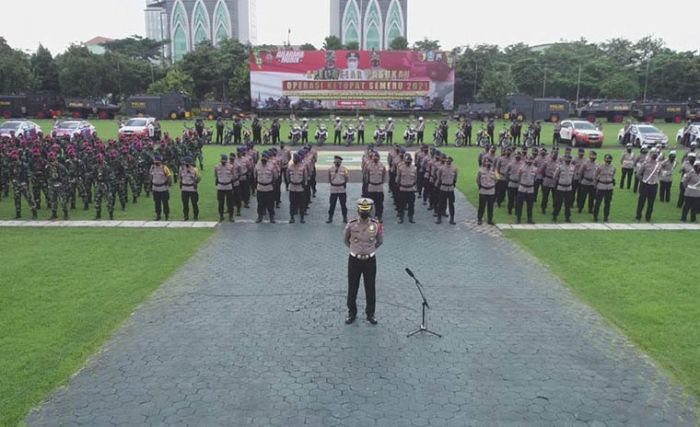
(548, 170)
(564, 177)
(296, 175)
(649, 172)
(338, 178)
(627, 160)
(605, 174)
(265, 176)
(447, 178)
(513, 173)
(159, 177)
(363, 237)
(189, 176)
(406, 177)
(376, 177)
(526, 181)
(224, 176)
(587, 172)
(486, 181)
(667, 168)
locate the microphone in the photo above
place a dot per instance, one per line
(410, 273)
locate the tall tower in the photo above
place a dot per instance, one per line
(187, 23)
(373, 24)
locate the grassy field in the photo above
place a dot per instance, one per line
(623, 206)
(638, 282)
(56, 310)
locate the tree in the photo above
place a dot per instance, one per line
(399, 43)
(352, 46)
(200, 65)
(175, 81)
(124, 76)
(496, 85)
(232, 60)
(137, 47)
(620, 86)
(15, 70)
(45, 70)
(307, 46)
(332, 43)
(426, 44)
(80, 72)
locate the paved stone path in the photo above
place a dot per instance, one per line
(601, 227)
(250, 332)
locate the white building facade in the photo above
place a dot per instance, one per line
(372, 24)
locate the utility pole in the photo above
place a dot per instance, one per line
(544, 82)
(646, 80)
(578, 84)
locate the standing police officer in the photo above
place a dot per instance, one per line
(376, 177)
(189, 179)
(223, 178)
(406, 180)
(297, 178)
(604, 184)
(161, 179)
(338, 178)
(363, 236)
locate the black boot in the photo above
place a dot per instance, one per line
(65, 215)
(259, 220)
(452, 221)
(439, 220)
(272, 219)
(410, 219)
(18, 215)
(221, 218)
(53, 215)
(329, 220)
(98, 215)
(345, 219)
(400, 220)
(231, 218)
(302, 220)
(86, 206)
(291, 220)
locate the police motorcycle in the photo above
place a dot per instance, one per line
(529, 138)
(247, 136)
(191, 132)
(439, 136)
(409, 136)
(321, 134)
(295, 135)
(460, 137)
(349, 135)
(380, 135)
(504, 137)
(266, 136)
(482, 138)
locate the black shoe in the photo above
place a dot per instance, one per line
(196, 218)
(167, 218)
(301, 221)
(111, 216)
(259, 220)
(439, 221)
(491, 223)
(221, 218)
(329, 220)
(529, 221)
(350, 319)
(231, 219)
(478, 222)
(411, 221)
(567, 220)
(158, 218)
(517, 221)
(277, 205)
(272, 221)
(400, 220)
(345, 220)
(186, 218)
(452, 222)
(65, 215)
(18, 215)
(372, 320)
(291, 220)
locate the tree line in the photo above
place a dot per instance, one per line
(617, 68)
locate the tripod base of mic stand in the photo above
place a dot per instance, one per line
(423, 327)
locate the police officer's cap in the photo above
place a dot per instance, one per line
(608, 157)
(365, 204)
(158, 158)
(407, 157)
(352, 55)
(691, 154)
(188, 160)
(672, 153)
(593, 153)
(338, 158)
(581, 150)
(694, 144)
(224, 157)
(629, 145)
(567, 156)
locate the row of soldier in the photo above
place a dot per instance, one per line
(62, 173)
(581, 182)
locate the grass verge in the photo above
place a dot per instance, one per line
(64, 291)
(637, 281)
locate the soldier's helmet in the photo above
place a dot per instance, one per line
(188, 160)
(365, 204)
(407, 158)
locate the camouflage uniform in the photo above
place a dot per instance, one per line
(20, 176)
(104, 181)
(57, 183)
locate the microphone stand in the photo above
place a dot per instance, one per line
(424, 324)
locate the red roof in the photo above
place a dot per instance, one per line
(96, 41)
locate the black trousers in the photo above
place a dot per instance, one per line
(538, 184)
(636, 183)
(337, 138)
(565, 198)
(219, 135)
(585, 192)
(527, 199)
(304, 136)
(390, 137)
(681, 196)
(187, 197)
(647, 195)
(237, 136)
(626, 175)
(419, 137)
(297, 203)
(407, 202)
(692, 205)
(245, 192)
(602, 197)
(501, 189)
(367, 269)
(468, 136)
(378, 199)
(665, 191)
(162, 201)
(545, 197)
(447, 199)
(486, 204)
(227, 197)
(335, 197)
(512, 195)
(361, 137)
(266, 202)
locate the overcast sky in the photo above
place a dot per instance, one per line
(57, 24)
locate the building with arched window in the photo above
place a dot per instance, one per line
(372, 24)
(186, 23)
